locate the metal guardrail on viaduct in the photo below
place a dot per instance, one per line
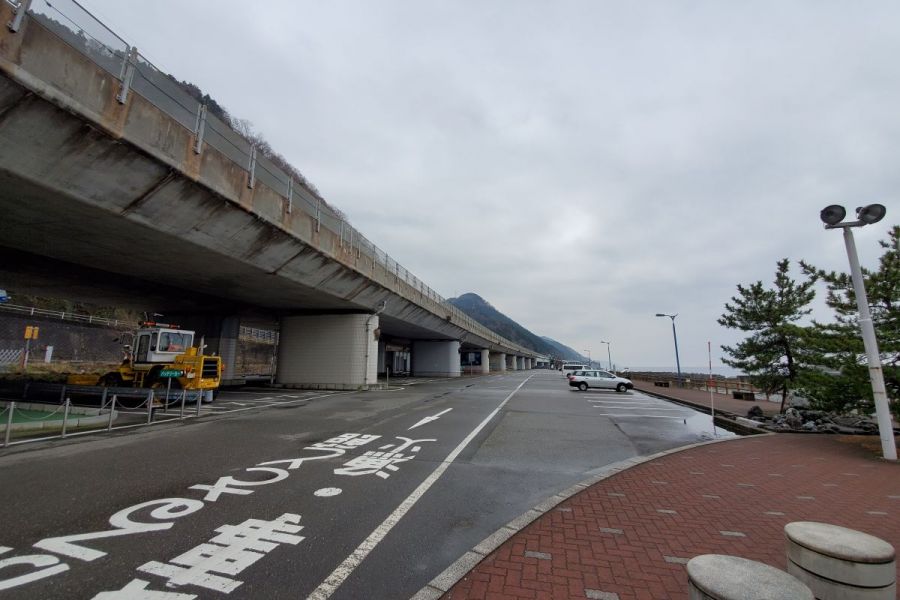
(61, 54)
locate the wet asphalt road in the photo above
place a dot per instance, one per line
(354, 517)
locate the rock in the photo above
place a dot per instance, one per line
(755, 412)
(809, 426)
(792, 418)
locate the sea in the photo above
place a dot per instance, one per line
(721, 370)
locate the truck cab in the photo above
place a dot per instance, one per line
(161, 345)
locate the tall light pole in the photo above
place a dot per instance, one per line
(590, 362)
(833, 216)
(675, 337)
(608, 354)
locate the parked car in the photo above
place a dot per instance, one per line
(599, 379)
(4, 297)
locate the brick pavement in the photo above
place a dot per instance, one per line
(628, 536)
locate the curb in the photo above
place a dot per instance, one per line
(441, 584)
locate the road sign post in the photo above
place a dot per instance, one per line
(31, 333)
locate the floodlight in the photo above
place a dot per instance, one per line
(871, 214)
(832, 215)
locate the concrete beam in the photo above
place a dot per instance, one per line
(90, 180)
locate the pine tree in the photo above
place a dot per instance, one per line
(773, 352)
(841, 381)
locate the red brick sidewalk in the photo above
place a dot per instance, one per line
(629, 536)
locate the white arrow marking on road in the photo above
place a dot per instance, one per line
(430, 419)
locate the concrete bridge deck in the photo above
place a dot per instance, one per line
(116, 183)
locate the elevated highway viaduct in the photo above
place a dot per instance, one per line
(115, 183)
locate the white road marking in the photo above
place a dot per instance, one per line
(614, 403)
(327, 492)
(640, 416)
(653, 408)
(427, 420)
(346, 568)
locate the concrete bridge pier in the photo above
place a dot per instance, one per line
(527, 364)
(435, 358)
(329, 351)
(382, 352)
(498, 362)
(511, 362)
(485, 360)
(227, 343)
(219, 334)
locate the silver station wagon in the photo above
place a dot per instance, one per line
(599, 379)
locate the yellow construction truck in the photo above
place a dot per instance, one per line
(161, 356)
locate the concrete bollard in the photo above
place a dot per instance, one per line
(720, 577)
(839, 563)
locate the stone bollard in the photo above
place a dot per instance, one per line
(720, 577)
(838, 563)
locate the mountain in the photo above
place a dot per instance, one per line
(563, 351)
(479, 309)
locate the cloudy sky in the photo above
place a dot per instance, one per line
(580, 165)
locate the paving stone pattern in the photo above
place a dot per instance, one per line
(628, 537)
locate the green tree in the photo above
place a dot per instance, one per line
(772, 355)
(841, 380)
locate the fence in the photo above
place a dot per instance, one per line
(141, 406)
(85, 33)
(718, 385)
(31, 311)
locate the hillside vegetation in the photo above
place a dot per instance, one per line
(481, 310)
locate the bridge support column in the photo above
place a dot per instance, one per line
(511, 362)
(498, 362)
(220, 334)
(381, 356)
(520, 363)
(435, 359)
(330, 352)
(485, 360)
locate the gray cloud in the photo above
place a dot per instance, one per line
(581, 165)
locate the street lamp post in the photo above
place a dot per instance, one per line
(590, 362)
(675, 337)
(608, 355)
(833, 216)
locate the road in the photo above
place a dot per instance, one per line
(340, 495)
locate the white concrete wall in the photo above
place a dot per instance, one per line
(435, 359)
(328, 351)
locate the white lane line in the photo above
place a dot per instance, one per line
(654, 409)
(640, 416)
(663, 405)
(346, 568)
(621, 403)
